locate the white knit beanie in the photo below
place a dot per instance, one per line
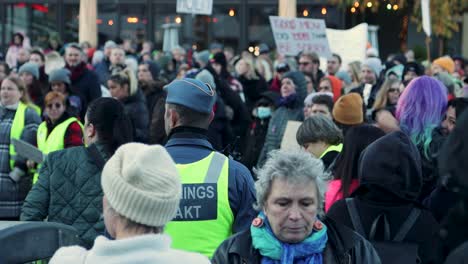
(141, 183)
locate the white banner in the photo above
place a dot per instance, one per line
(201, 7)
(293, 35)
(350, 44)
(426, 16)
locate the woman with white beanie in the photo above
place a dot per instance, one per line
(142, 190)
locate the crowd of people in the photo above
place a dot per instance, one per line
(377, 177)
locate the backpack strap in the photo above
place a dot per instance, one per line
(96, 156)
(407, 225)
(375, 224)
(355, 219)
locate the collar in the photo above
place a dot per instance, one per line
(184, 135)
(10, 107)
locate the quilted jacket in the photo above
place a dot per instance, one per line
(69, 191)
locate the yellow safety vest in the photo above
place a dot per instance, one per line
(337, 148)
(204, 218)
(55, 141)
(17, 127)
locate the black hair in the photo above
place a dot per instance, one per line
(460, 104)
(6, 67)
(355, 141)
(113, 126)
(38, 52)
(323, 99)
(337, 56)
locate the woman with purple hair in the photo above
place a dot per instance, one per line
(420, 111)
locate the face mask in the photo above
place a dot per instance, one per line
(263, 112)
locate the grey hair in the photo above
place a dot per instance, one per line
(318, 128)
(295, 167)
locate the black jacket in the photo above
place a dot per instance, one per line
(156, 105)
(135, 107)
(253, 89)
(390, 182)
(344, 246)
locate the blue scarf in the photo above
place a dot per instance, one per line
(274, 251)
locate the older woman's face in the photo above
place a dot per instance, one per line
(291, 209)
(287, 87)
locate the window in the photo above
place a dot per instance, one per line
(259, 29)
(37, 21)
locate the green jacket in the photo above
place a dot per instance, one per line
(69, 191)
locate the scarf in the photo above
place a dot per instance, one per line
(274, 251)
(76, 71)
(288, 101)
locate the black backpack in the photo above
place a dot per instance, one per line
(390, 250)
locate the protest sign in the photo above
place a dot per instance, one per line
(289, 141)
(350, 44)
(294, 35)
(200, 7)
(28, 151)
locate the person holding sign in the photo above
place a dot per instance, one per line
(60, 130)
(17, 121)
(217, 192)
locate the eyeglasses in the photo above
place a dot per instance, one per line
(305, 63)
(57, 105)
(392, 90)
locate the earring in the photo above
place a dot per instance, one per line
(318, 225)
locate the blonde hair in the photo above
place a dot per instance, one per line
(126, 76)
(355, 69)
(251, 74)
(21, 87)
(382, 96)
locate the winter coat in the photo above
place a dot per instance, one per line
(156, 105)
(220, 132)
(12, 193)
(390, 182)
(69, 191)
(136, 109)
(253, 89)
(343, 246)
(282, 115)
(102, 71)
(149, 248)
(87, 86)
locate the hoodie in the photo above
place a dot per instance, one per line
(390, 182)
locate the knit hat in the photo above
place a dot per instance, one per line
(153, 69)
(446, 63)
(141, 182)
(263, 48)
(413, 67)
(205, 76)
(348, 109)
(375, 64)
(110, 44)
(202, 56)
(31, 68)
(60, 75)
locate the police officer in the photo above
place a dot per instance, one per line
(218, 193)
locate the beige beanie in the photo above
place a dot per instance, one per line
(141, 182)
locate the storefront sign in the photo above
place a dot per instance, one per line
(293, 35)
(201, 7)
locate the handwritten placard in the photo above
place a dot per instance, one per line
(294, 35)
(201, 7)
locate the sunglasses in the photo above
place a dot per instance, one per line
(392, 90)
(304, 63)
(57, 105)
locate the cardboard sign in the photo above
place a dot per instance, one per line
(28, 151)
(289, 141)
(350, 44)
(201, 7)
(294, 35)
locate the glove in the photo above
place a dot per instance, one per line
(16, 174)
